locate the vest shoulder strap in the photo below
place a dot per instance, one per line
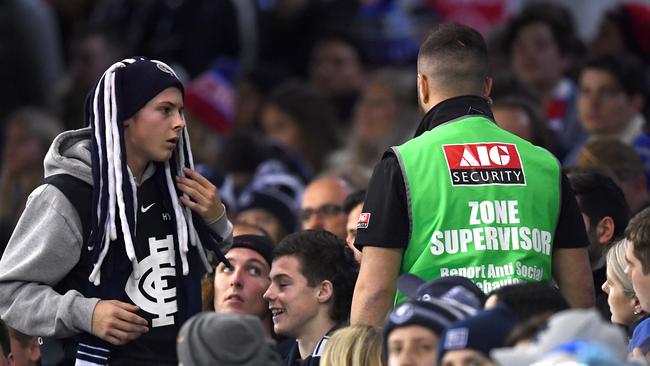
(62, 352)
(79, 193)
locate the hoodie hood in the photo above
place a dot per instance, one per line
(70, 154)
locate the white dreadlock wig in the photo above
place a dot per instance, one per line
(121, 91)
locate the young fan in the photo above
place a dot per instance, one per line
(111, 249)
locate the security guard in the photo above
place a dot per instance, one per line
(465, 197)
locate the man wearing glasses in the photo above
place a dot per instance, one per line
(322, 205)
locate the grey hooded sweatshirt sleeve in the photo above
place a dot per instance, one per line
(43, 249)
(46, 245)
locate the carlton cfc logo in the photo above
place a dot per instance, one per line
(485, 163)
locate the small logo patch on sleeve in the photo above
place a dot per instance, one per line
(364, 219)
(484, 163)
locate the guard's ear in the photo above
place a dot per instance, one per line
(424, 95)
(487, 87)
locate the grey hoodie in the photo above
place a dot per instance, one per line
(46, 245)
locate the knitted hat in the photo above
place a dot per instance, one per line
(482, 332)
(124, 88)
(434, 316)
(567, 326)
(457, 289)
(139, 82)
(259, 243)
(224, 339)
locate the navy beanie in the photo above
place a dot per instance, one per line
(139, 82)
(458, 289)
(482, 332)
(434, 316)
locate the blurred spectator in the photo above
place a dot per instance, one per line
(540, 41)
(322, 205)
(251, 165)
(624, 306)
(210, 110)
(92, 50)
(469, 341)
(527, 300)
(352, 207)
(32, 59)
(31, 56)
(521, 117)
(385, 116)
(337, 68)
(222, 339)
(28, 134)
(354, 346)
(242, 228)
(387, 32)
(290, 28)
(271, 210)
(210, 97)
(526, 331)
(562, 329)
(303, 122)
(25, 350)
(251, 89)
(190, 33)
(605, 213)
(621, 163)
(623, 30)
(611, 98)
(412, 330)
(581, 352)
(478, 14)
(458, 291)
(312, 279)
(356, 175)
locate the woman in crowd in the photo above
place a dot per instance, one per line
(623, 303)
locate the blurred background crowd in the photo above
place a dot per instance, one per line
(282, 91)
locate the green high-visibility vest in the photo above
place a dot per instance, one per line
(482, 203)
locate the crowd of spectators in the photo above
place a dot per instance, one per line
(289, 106)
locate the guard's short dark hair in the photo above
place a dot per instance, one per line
(599, 196)
(638, 234)
(324, 256)
(626, 69)
(353, 199)
(459, 53)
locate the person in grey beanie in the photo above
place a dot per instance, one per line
(225, 339)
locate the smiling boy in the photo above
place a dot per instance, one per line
(312, 278)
